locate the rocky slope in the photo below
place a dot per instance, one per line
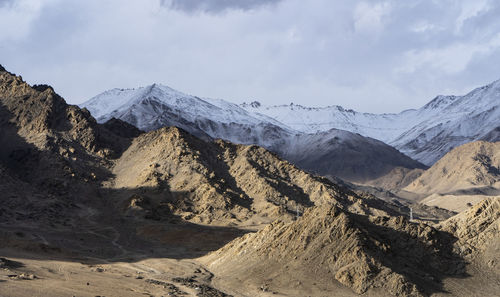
(397, 179)
(472, 168)
(477, 232)
(331, 246)
(332, 152)
(219, 181)
(53, 154)
(377, 256)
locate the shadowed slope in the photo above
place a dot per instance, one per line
(224, 181)
(477, 230)
(336, 246)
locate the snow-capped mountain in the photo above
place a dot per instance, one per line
(157, 106)
(331, 152)
(424, 134)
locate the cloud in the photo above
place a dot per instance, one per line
(469, 10)
(6, 2)
(451, 59)
(370, 17)
(424, 27)
(215, 6)
(16, 16)
(372, 56)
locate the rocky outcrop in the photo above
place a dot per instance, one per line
(477, 231)
(44, 119)
(360, 252)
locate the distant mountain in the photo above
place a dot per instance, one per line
(472, 166)
(424, 134)
(463, 177)
(157, 106)
(344, 154)
(332, 152)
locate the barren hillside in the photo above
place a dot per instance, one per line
(473, 165)
(328, 247)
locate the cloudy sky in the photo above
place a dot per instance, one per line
(371, 55)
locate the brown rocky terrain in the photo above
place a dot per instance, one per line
(328, 247)
(220, 182)
(473, 165)
(463, 177)
(104, 209)
(64, 231)
(397, 179)
(477, 231)
(371, 255)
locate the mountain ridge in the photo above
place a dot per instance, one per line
(156, 106)
(425, 134)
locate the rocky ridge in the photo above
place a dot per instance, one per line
(364, 253)
(477, 232)
(219, 180)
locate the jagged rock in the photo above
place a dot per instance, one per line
(219, 180)
(477, 231)
(360, 252)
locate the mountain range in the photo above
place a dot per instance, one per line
(106, 209)
(297, 132)
(332, 152)
(425, 134)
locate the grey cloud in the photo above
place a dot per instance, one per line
(215, 6)
(307, 52)
(6, 2)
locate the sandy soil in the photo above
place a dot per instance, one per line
(72, 278)
(457, 203)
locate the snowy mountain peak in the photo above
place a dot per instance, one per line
(150, 106)
(425, 134)
(114, 100)
(157, 106)
(255, 104)
(440, 102)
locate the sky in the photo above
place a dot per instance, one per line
(370, 56)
